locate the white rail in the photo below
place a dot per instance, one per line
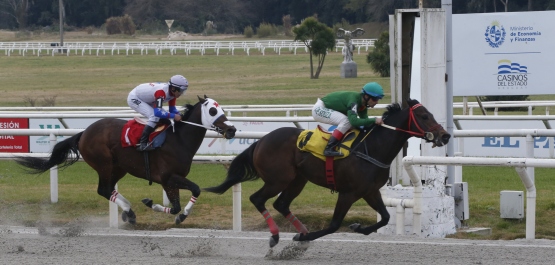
(520, 165)
(161, 47)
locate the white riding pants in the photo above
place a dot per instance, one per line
(324, 115)
(144, 108)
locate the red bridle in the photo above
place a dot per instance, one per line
(420, 133)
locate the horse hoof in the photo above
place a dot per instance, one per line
(297, 237)
(355, 226)
(148, 202)
(129, 216)
(274, 239)
(180, 218)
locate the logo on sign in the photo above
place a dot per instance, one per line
(45, 140)
(511, 74)
(495, 34)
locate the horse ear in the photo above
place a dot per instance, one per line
(200, 99)
(205, 97)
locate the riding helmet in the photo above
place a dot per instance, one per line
(373, 89)
(179, 82)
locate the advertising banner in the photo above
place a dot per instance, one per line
(14, 143)
(41, 144)
(503, 146)
(497, 54)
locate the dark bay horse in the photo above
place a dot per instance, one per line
(100, 146)
(285, 170)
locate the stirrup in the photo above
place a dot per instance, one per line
(332, 153)
(145, 148)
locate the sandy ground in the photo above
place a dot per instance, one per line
(75, 244)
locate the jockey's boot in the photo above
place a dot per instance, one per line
(330, 147)
(144, 140)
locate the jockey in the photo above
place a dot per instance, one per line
(147, 99)
(347, 109)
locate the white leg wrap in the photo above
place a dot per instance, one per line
(160, 208)
(189, 206)
(120, 201)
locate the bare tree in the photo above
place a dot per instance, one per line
(506, 4)
(18, 9)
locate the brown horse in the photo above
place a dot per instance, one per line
(101, 147)
(285, 169)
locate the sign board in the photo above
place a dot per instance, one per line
(503, 146)
(498, 54)
(41, 144)
(14, 143)
(169, 22)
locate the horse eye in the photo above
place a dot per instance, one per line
(213, 111)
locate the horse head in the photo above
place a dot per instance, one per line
(213, 117)
(421, 123)
(425, 124)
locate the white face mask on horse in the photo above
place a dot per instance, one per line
(211, 111)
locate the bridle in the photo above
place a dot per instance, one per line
(212, 127)
(419, 133)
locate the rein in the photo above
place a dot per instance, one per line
(213, 128)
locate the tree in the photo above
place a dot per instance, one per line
(18, 9)
(318, 38)
(379, 57)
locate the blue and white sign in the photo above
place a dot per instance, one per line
(503, 146)
(496, 54)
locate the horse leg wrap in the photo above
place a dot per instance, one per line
(120, 201)
(270, 221)
(189, 206)
(297, 223)
(160, 208)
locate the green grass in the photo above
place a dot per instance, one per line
(271, 79)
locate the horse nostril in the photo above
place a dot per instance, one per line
(445, 138)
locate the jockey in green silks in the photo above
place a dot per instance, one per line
(347, 109)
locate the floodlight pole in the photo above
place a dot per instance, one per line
(61, 4)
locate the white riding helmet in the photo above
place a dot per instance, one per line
(179, 82)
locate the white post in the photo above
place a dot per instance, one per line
(114, 213)
(530, 154)
(53, 175)
(458, 169)
(237, 207)
(528, 182)
(400, 220)
(165, 200)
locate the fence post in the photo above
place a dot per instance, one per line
(53, 175)
(237, 207)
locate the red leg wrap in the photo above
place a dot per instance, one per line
(297, 223)
(270, 221)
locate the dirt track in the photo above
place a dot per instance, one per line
(79, 245)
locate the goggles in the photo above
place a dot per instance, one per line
(180, 89)
(373, 96)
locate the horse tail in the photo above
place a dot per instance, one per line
(60, 156)
(241, 170)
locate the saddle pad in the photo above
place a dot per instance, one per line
(315, 141)
(132, 131)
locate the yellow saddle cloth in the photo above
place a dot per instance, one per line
(315, 141)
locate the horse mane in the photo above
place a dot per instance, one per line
(187, 111)
(396, 107)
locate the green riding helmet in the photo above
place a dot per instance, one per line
(373, 89)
